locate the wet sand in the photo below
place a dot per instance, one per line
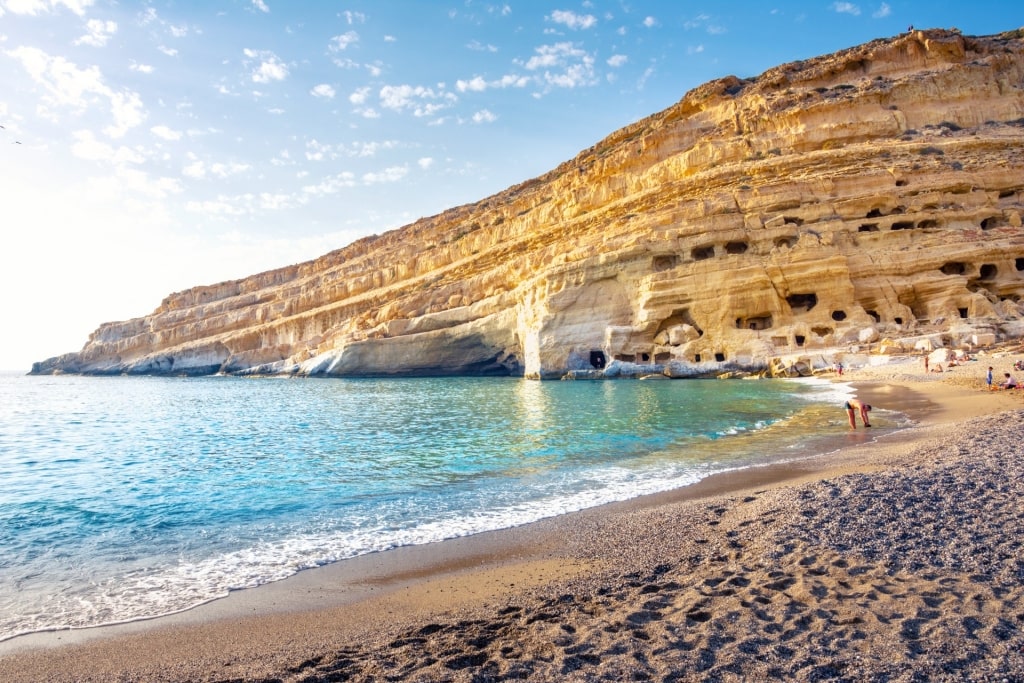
(899, 559)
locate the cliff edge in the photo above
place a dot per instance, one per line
(823, 206)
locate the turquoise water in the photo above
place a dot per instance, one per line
(124, 498)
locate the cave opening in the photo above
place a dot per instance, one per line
(703, 253)
(597, 359)
(802, 303)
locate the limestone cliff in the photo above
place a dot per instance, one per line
(826, 204)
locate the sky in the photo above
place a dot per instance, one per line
(148, 147)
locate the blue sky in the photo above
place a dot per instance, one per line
(148, 147)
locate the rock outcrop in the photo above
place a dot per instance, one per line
(873, 196)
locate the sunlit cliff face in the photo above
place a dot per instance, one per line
(869, 194)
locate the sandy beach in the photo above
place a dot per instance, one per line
(897, 558)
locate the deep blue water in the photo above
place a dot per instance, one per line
(124, 498)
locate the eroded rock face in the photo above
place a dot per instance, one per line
(871, 194)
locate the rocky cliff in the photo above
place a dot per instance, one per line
(823, 206)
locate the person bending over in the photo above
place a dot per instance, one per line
(853, 406)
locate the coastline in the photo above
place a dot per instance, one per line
(680, 580)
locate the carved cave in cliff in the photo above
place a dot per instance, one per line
(757, 322)
(802, 303)
(703, 253)
(680, 316)
(664, 262)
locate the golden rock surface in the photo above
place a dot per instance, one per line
(869, 199)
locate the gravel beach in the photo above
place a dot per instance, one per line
(895, 559)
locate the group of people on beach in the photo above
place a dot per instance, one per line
(854, 406)
(1009, 381)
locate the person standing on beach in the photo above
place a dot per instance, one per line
(988, 378)
(926, 363)
(853, 406)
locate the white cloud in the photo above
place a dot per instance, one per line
(169, 51)
(270, 67)
(420, 100)
(141, 68)
(616, 61)
(275, 202)
(564, 65)
(165, 133)
(341, 42)
(35, 7)
(370, 149)
(694, 49)
(883, 11)
(354, 17)
(359, 96)
(87, 147)
(260, 5)
(512, 81)
(316, 151)
(222, 206)
(67, 85)
(696, 22)
(322, 90)
(477, 46)
(484, 116)
(199, 170)
(573, 20)
(99, 33)
(846, 8)
(476, 84)
(331, 184)
(425, 163)
(388, 175)
(650, 22)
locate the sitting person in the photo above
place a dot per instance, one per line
(1010, 382)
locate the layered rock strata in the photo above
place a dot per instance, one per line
(828, 204)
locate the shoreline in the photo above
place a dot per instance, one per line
(293, 628)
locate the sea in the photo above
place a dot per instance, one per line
(125, 498)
